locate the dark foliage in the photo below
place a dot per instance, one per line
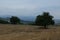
(4, 22)
(44, 20)
(14, 20)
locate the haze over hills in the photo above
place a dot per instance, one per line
(26, 19)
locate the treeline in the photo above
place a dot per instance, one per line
(41, 20)
(11, 20)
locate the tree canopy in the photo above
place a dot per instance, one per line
(44, 20)
(14, 20)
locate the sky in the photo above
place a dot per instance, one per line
(30, 7)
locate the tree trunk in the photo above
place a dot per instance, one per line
(45, 26)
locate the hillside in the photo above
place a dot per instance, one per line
(26, 19)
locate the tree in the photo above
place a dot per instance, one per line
(14, 20)
(44, 20)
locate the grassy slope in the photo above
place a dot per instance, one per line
(27, 32)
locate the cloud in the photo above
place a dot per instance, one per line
(29, 7)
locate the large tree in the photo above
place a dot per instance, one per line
(14, 20)
(44, 20)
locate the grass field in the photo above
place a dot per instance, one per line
(28, 32)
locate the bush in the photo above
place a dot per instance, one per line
(4, 22)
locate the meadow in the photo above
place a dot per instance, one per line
(28, 32)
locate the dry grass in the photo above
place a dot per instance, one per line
(28, 32)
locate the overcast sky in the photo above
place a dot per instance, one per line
(29, 7)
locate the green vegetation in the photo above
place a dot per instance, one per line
(4, 22)
(44, 20)
(41, 20)
(14, 20)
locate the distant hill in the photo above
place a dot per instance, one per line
(27, 22)
(24, 19)
(27, 19)
(57, 21)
